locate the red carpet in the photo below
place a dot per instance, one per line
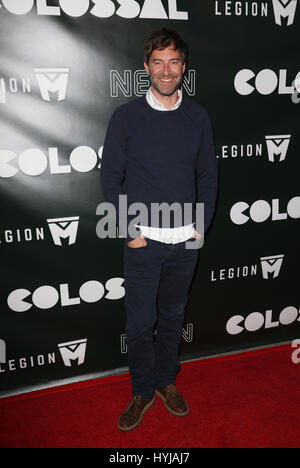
(246, 400)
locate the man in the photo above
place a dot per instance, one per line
(162, 146)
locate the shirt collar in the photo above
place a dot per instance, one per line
(156, 104)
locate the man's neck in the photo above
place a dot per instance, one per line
(167, 101)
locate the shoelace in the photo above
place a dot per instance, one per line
(137, 401)
(172, 390)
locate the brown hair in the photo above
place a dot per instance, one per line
(160, 40)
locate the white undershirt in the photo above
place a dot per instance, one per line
(166, 235)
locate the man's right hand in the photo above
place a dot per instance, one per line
(137, 243)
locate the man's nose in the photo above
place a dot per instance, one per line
(166, 69)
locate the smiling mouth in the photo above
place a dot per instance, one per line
(166, 85)
(166, 80)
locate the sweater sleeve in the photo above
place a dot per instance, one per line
(113, 171)
(113, 162)
(207, 173)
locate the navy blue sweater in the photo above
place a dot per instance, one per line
(161, 156)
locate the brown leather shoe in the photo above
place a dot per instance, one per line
(172, 399)
(134, 412)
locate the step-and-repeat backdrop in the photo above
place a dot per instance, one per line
(66, 65)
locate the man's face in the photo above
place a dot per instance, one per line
(166, 70)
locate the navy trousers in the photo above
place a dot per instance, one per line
(157, 281)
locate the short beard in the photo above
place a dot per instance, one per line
(163, 93)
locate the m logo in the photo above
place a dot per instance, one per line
(277, 147)
(2, 352)
(74, 350)
(271, 265)
(52, 80)
(64, 228)
(284, 9)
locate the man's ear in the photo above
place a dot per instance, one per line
(146, 68)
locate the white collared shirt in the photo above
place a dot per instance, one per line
(166, 235)
(156, 104)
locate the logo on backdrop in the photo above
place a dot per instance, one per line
(64, 228)
(150, 9)
(261, 211)
(187, 335)
(47, 297)
(63, 232)
(52, 83)
(276, 146)
(73, 351)
(270, 268)
(33, 161)
(136, 83)
(257, 320)
(283, 11)
(72, 354)
(265, 82)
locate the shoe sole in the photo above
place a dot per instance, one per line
(168, 408)
(130, 428)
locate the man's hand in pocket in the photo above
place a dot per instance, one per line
(137, 243)
(196, 235)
